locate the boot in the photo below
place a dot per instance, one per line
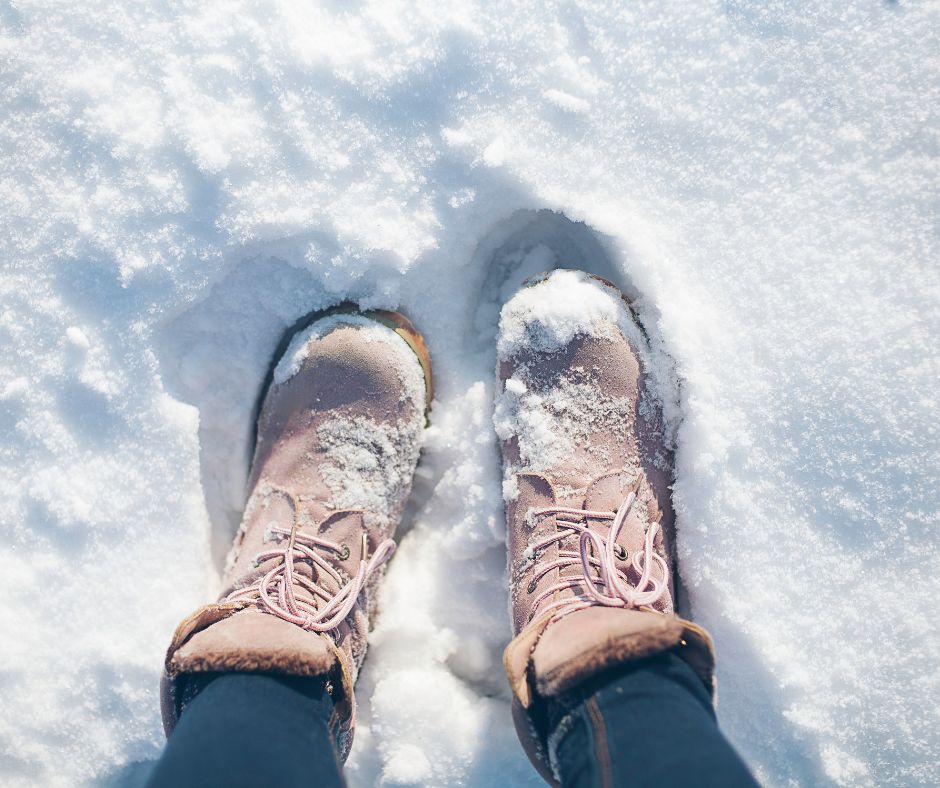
(338, 436)
(586, 486)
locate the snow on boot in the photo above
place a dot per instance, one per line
(338, 438)
(586, 485)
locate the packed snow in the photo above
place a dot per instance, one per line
(548, 316)
(181, 181)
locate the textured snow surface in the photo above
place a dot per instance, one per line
(181, 181)
(546, 316)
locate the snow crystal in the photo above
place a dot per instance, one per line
(77, 337)
(552, 424)
(181, 182)
(566, 101)
(368, 463)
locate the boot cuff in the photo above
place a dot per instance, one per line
(236, 638)
(547, 660)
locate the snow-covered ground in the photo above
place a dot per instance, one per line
(181, 180)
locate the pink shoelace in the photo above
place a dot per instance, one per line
(604, 582)
(274, 591)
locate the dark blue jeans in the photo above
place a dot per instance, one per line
(648, 724)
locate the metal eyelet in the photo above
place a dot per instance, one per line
(345, 552)
(533, 584)
(620, 552)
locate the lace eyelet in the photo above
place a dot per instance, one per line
(533, 584)
(344, 554)
(620, 552)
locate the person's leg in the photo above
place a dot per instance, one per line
(587, 471)
(650, 724)
(337, 441)
(250, 729)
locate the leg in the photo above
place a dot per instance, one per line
(648, 724)
(248, 729)
(337, 442)
(598, 647)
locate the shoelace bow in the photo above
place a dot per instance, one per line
(274, 591)
(604, 582)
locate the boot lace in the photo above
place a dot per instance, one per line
(599, 581)
(274, 591)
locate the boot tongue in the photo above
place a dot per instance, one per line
(607, 492)
(272, 508)
(586, 642)
(604, 494)
(346, 529)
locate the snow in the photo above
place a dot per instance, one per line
(368, 463)
(548, 316)
(180, 182)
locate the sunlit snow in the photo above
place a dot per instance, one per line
(181, 181)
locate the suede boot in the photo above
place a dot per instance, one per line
(586, 484)
(338, 437)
